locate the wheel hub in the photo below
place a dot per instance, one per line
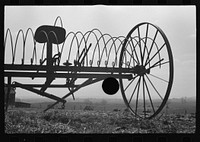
(140, 70)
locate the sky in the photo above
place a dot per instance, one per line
(177, 22)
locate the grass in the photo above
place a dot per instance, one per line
(62, 121)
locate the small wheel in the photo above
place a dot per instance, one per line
(147, 53)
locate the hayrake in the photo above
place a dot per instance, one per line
(140, 64)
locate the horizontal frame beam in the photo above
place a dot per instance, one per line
(40, 85)
(67, 68)
(66, 75)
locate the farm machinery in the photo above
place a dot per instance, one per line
(140, 64)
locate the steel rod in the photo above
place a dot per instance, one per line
(159, 78)
(133, 92)
(40, 85)
(137, 96)
(65, 68)
(87, 82)
(145, 43)
(151, 47)
(155, 88)
(140, 46)
(144, 103)
(155, 54)
(149, 95)
(138, 62)
(40, 93)
(66, 75)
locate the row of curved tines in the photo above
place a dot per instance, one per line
(82, 55)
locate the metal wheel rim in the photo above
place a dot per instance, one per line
(171, 69)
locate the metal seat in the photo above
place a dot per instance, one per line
(55, 34)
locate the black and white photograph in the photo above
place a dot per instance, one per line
(99, 69)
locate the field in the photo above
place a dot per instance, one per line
(175, 106)
(30, 120)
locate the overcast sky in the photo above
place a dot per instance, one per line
(178, 23)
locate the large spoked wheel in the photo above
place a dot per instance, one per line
(147, 53)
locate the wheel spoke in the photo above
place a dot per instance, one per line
(145, 43)
(154, 88)
(130, 83)
(133, 92)
(140, 46)
(156, 63)
(144, 98)
(146, 84)
(149, 95)
(135, 52)
(160, 64)
(132, 58)
(159, 78)
(131, 55)
(151, 46)
(155, 54)
(137, 96)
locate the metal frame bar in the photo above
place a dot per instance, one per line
(66, 68)
(95, 74)
(66, 75)
(40, 85)
(87, 82)
(40, 92)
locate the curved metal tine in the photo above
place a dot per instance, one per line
(151, 47)
(149, 95)
(155, 54)
(126, 64)
(42, 54)
(154, 88)
(57, 20)
(34, 51)
(137, 96)
(133, 91)
(159, 78)
(145, 43)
